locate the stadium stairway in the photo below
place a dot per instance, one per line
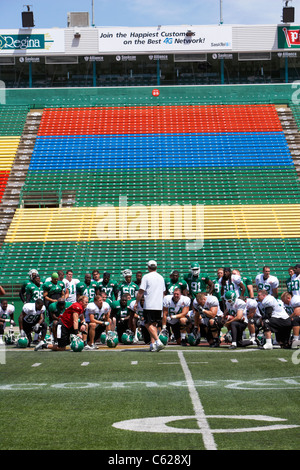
(233, 162)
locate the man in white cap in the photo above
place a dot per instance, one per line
(152, 287)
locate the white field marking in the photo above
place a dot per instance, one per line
(134, 363)
(281, 359)
(85, 364)
(234, 360)
(207, 435)
(37, 364)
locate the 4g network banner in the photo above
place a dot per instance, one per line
(165, 39)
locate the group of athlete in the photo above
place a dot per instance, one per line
(196, 309)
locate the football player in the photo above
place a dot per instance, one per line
(31, 275)
(34, 290)
(71, 322)
(292, 302)
(6, 313)
(197, 281)
(231, 282)
(274, 319)
(246, 281)
(265, 281)
(288, 281)
(70, 286)
(208, 318)
(53, 290)
(254, 318)
(137, 321)
(119, 310)
(32, 319)
(88, 288)
(174, 282)
(175, 310)
(97, 317)
(56, 309)
(295, 280)
(127, 286)
(109, 286)
(235, 319)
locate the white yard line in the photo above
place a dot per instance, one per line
(204, 427)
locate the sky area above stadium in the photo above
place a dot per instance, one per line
(49, 14)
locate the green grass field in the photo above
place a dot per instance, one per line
(180, 399)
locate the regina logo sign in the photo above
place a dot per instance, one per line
(50, 41)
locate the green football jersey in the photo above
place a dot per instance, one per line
(54, 290)
(54, 310)
(111, 289)
(118, 310)
(125, 288)
(89, 290)
(171, 286)
(196, 284)
(217, 289)
(33, 292)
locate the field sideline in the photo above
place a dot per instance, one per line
(185, 399)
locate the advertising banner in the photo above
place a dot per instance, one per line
(32, 41)
(165, 39)
(288, 37)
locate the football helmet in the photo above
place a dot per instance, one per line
(32, 272)
(9, 337)
(77, 344)
(127, 272)
(22, 342)
(164, 337)
(127, 337)
(112, 339)
(230, 296)
(195, 269)
(191, 339)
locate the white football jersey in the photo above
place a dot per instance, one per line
(231, 284)
(278, 310)
(98, 313)
(251, 304)
(211, 301)
(295, 302)
(175, 308)
(268, 284)
(239, 304)
(5, 314)
(31, 314)
(71, 286)
(295, 284)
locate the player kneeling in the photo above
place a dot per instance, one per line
(97, 316)
(71, 322)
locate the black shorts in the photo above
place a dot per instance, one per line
(63, 335)
(152, 316)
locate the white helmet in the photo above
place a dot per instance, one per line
(127, 272)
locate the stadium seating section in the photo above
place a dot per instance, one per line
(144, 178)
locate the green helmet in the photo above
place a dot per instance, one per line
(127, 337)
(112, 340)
(164, 337)
(9, 338)
(230, 296)
(22, 342)
(77, 344)
(191, 339)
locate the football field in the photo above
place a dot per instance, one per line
(180, 399)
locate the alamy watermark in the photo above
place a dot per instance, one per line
(154, 222)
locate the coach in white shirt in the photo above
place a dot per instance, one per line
(152, 287)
